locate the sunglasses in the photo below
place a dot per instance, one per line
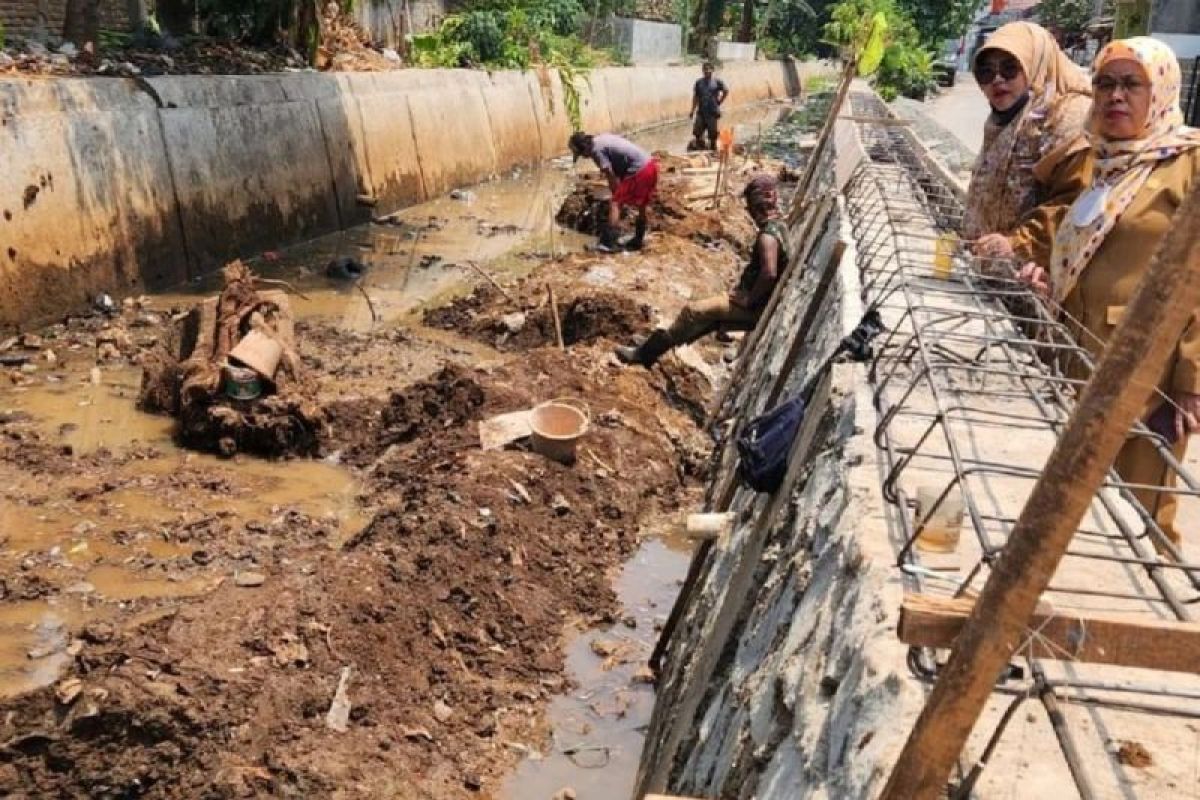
(986, 71)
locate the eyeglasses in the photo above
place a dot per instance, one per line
(1106, 85)
(986, 72)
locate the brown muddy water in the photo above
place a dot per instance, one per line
(504, 227)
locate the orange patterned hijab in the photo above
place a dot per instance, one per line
(1122, 166)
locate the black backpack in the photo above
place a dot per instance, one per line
(764, 444)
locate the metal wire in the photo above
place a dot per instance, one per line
(970, 349)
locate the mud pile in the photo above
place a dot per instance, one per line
(449, 608)
(680, 208)
(486, 316)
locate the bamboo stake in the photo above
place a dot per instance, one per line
(1133, 362)
(558, 337)
(482, 273)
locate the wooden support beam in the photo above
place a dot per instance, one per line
(929, 621)
(1133, 363)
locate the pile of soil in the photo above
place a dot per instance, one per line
(484, 315)
(449, 608)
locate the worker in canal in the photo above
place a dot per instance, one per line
(1034, 161)
(1145, 162)
(632, 176)
(741, 307)
(708, 95)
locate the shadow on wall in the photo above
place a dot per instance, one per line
(111, 185)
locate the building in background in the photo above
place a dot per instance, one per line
(1177, 22)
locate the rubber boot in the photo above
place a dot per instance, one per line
(608, 241)
(638, 240)
(648, 352)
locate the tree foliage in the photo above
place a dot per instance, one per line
(937, 21)
(1068, 18)
(907, 64)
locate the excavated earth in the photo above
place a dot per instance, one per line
(443, 614)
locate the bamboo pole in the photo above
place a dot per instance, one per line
(1133, 363)
(558, 336)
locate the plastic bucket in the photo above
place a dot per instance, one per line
(259, 352)
(557, 426)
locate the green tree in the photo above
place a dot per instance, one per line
(907, 65)
(939, 20)
(1068, 18)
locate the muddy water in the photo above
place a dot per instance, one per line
(597, 730)
(424, 255)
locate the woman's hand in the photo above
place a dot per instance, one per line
(994, 245)
(1187, 416)
(1036, 278)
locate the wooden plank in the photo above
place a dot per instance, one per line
(929, 621)
(1133, 363)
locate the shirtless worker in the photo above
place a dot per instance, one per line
(741, 307)
(708, 95)
(632, 177)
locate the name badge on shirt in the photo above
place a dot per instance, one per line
(1089, 206)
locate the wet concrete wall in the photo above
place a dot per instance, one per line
(106, 185)
(784, 677)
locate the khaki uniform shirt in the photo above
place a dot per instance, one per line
(1059, 181)
(1109, 281)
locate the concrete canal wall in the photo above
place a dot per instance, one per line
(116, 186)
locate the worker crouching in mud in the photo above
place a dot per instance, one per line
(632, 177)
(740, 308)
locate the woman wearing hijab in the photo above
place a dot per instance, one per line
(1034, 160)
(1145, 162)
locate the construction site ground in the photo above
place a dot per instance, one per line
(175, 624)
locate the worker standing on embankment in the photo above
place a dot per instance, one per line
(708, 95)
(632, 175)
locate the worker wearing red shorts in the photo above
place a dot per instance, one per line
(632, 176)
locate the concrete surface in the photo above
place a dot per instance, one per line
(125, 195)
(962, 110)
(785, 678)
(736, 51)
(643, 42)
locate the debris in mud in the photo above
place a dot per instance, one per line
(1134, 754)
(189, 376)
(345, 268)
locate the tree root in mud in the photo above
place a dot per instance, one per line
(182, 376)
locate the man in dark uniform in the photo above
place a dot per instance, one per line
(741, 307)
(707, 96)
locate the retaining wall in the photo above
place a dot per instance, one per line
(101, 189)
(784, 677)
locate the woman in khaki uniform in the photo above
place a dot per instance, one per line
(1034, 160)
(1146, 161)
